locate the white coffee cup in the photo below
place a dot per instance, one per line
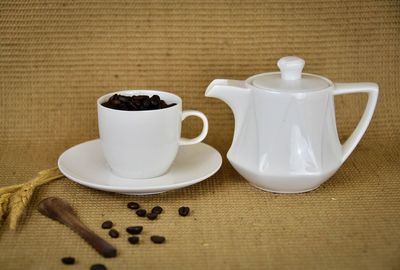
(144, 144)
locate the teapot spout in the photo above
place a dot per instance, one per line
(234, 93)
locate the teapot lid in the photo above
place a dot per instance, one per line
(290, 78)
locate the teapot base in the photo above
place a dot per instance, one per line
(288, 183)
(284, 191)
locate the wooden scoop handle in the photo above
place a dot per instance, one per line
(57, 209)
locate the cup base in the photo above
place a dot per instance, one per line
(136, 176)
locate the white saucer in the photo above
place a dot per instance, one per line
(84, 163)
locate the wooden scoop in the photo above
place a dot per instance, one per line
(57, 209)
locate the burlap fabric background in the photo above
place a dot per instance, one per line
(57, 57)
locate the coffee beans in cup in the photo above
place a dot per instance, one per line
(136, 103)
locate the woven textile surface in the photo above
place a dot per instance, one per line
(58, 57)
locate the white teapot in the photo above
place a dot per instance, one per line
(285, 137)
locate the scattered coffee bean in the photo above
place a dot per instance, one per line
(136, 103)
(134, 229)
(133, 240)
(156, 239)
(152, 216)
(184, 211)
(107, 224)
(133, 205)
(157, 209)
(68, 260)
(98, 267)
(141, 212)
(113, 233)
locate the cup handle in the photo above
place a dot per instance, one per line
(372, 90)
(203, 134)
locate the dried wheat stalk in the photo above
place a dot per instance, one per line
(9, 189)
(4, 200)
(14, 199)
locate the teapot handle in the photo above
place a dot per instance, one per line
(372, 90)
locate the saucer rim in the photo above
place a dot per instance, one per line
(70, 176)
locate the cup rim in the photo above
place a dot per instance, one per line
(101, 99)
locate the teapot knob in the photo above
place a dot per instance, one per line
(291, 67)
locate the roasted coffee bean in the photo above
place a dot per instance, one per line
(115, 102)
(106, 104)
(139, 97)
(113, 233)
(163, 104)
(184, 211)
(141, 212)
(134, 229)
(152, 216)
(133, 205)
(124, 99)
(157, 239)
(124, 107)
(68, 260)
(146, 103)
(133, 240)
(170, 105)
(98, 267)
(155, 100)
(157, 209)
(107, 224)
(133, 106)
